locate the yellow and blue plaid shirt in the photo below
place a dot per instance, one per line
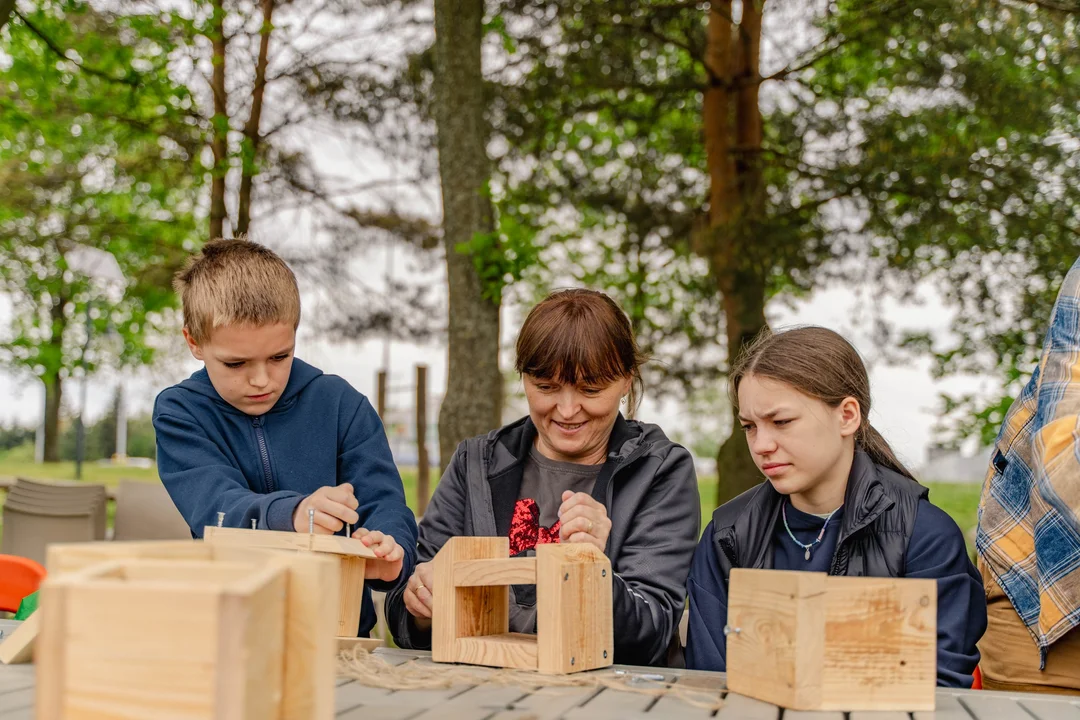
(1029, 514)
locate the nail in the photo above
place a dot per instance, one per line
(254, 524)
(311, 521)
(220, 519)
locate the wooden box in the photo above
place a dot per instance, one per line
(471, 618)
(809, 641)
(186, 629)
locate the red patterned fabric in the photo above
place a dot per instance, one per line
(525, 530)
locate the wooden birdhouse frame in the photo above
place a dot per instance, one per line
(143, 628)
(351, 555)
(809, 641)
(470, 620)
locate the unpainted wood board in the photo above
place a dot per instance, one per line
(880, 648)
(495, 571)
(993, 706)
(515, 715)
(310, 649)
(775, 655)
(280, 540)
(506, 650)
(549, 703)
(350, 595)
(1051, 709)
(479, 701)
(673, 705)
(879, 715)
(573, 608)
(427, 698)
(348, 644)
(741, 707)
(10, 681)
(813, 715)
(466, 611)
(69, 557)
(18, 647)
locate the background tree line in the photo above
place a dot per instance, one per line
(698, 160)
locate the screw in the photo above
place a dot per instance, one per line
(605, 654)
(571, 661)
(603, 573)
(566, 577)
(220, 519)
(728, 630)
(254, 524)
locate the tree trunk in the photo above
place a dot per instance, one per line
(219, 144)
(53, 395)
(6, 6)
(251, 129)
(733, 137)
(472, 404)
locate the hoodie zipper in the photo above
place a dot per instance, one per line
(260, 436)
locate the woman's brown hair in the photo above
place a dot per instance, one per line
(822, 364)
(580, 336)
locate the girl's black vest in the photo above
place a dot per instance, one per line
(879, 516)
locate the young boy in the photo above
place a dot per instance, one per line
(260, 436)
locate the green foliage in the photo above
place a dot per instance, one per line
(98, 150)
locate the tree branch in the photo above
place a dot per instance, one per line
(56, 49)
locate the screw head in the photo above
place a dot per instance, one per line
(605, 654)
(603, 573)
(566, 577)
(571, 661)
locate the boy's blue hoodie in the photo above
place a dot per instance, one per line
(214, 458)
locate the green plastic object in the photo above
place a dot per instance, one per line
(27, 607)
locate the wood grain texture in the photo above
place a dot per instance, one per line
(780, 617)
(496, 571)
(573, 608)
(18, 647)
(69, 557)
(279, 540)
(506, 650)
(466, 611)
(348, 644)
(350, 594)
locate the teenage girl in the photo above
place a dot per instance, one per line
(837, 500)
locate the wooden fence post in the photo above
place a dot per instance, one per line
(380, 397)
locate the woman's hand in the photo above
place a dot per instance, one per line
(418, 599)
(387, 550)
(584, 520)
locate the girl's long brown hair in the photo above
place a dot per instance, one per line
(822, 364)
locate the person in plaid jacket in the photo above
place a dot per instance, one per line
(1028, 538)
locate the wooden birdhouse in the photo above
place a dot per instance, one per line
(470, 621)
(185, 629)
(809, 641)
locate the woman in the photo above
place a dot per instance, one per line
(837, 500)
(574, 470)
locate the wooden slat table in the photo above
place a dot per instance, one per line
(500, 702)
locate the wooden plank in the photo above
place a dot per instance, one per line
(880, 644)
(993, 706)
(671, 704)
(70, 557)
(879, 715)
(351, 595)
(1051, 709)
(573, 608)
(549, 703)
(17, 700)
(776, 654)
(421, 699)
(495, 571)
(18, 647)
(347, 644)
(478, 702)
(281, 540)
(379, 712)
(506, 650)
(468, 611)
(49, 654)
(741, 707)
(813, 715)
(12, 681)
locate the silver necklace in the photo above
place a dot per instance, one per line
(805, 546)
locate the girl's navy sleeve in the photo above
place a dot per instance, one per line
(705, 641)
(937, 550)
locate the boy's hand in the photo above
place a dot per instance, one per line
(418, 598)
(334, 506)
(387, 550)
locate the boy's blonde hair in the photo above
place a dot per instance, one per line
(236, 282)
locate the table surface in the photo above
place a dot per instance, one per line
(490, 701)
